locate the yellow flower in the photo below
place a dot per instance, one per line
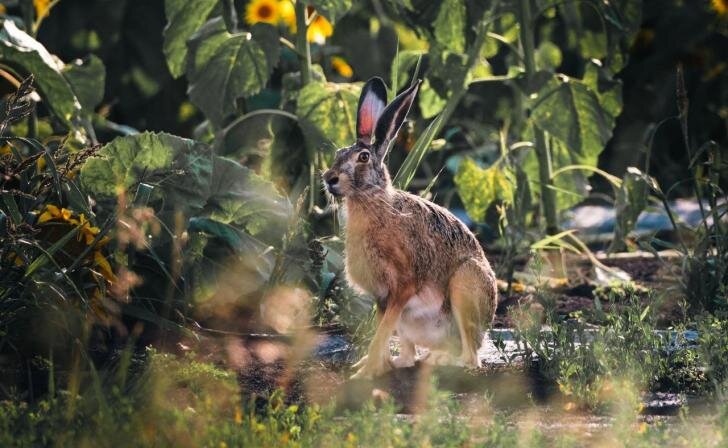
(238, 415)
(42, 8)
(265, 11)
(287, 13)
(104, 266)
(642, 428)
(54, 213)
(570, 406)
(3, 9)
(319, 30)
(720, 7)
(5, 150)
(341, 67)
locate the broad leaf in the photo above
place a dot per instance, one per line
(430, 102)
(184, 18)
(240, 197)
(87, 79)
(480, 187)
(235, 66)
(571, 112)
(327, 113)
(240, 242)
(179, 168)
(450, 26)
(331, 9)
(630, 201)
(21, 51)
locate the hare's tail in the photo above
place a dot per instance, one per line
(473, 298)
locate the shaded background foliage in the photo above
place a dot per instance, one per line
(127, 36)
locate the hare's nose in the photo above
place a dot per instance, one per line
(331, 178)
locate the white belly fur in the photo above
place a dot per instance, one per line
(422, 321)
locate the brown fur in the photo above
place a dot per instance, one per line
(424, 267)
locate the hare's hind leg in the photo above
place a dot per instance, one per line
(473, 299)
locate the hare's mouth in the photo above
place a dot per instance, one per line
(334, 190)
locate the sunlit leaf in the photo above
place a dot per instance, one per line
(450, 25)
(430, 102)
(184, 18)
(87, 79)
(229, 67)
(20, 50)
(327, 113)
(179, 168)
(480, 187)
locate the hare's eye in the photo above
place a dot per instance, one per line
(363, 157)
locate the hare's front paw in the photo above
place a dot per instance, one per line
(371, 369)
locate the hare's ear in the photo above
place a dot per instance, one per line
(371, 104)
(392, 118)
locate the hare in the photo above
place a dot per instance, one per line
(426, 270)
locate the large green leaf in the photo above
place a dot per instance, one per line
(232, 67)
(431, 103)
(20, 50)
(327, 113)
(630, 201)
(331, 9)
(240, 197)
(184, 18)
(570, 111)
(179, 168)
(479, 187)
(571, 186)
(450, 25)
(87, 79)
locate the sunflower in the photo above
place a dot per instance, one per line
(319, 30)
(262, 11)
(42, 8)
(720, 7)
(341, 67)
(287, 13)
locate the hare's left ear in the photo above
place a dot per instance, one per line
(371, 104)
(392, 118)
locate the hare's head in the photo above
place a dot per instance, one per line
(360, 167)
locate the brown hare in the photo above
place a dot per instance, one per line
(427, 272)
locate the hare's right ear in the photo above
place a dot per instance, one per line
(371, 104)
(392, 118)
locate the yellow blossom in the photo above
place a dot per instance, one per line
(238, 415)
(643, 428)
(720, 7)
(287, 13)
(570, 406)
(319, 30)
(54, 213)
(42, 8)
(265, 11)
(341, 67)
(104, 266)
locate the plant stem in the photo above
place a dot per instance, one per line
(548, 195)
(302, 47)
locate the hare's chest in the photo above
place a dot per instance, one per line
(363, 266)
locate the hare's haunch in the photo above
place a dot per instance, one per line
(426, 270)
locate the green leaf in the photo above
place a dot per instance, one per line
(184, 18)
(327, 113)
(240, 197)
(240, 242)
(479, 187)
(20, 50)
(548, 56)
(431, 103)
(630, 201)
(571, 112)
(421, 147)
(87, 79)
(450, 25)
(331, 9)
(179, 168)
(229, 67)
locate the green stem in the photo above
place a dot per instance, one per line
(548, 195)
(302, 47)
